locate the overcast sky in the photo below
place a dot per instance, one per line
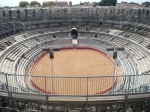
(16, 2)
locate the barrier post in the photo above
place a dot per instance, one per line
(7, 88)
(87, 89)
(114, 77)
(129, 84)
(127, 93)
(45, 85)
(52, 77)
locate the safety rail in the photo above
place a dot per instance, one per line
(72, 86)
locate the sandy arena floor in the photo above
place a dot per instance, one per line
(74, 63)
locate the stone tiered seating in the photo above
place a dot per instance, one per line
(126, 63)
(18, 58)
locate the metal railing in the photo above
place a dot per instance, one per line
(74, 86)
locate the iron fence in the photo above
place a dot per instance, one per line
(75, 86)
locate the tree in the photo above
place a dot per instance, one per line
(34, 3)
(48, 4)
(84, 3)
(146, 4)
(23, 4)
(107, 3)
(94, 4)
(134, 3)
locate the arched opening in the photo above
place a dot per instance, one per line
(139, 13)
(50, 12)
(57, 10)
(64, 10)
(131, 11)
(143, 11)
(74, 33)
(26, 14)
(116, 12)
(41, 13)
(123, 12)
(147, 13)
(4, 14)
(127, 12)
(33, 13)
(18, 14)
(107, 12)
(10, 14)
(111, 12)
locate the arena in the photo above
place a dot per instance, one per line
(105, 65)
(75, 63)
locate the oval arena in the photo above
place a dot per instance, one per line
(75, 72)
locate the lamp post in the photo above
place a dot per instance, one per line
(51, 55)
(114, 57)
(115, 54)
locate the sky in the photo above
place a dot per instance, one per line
(16, 2)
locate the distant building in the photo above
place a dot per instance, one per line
(90, 4)
(146, 4)
(70, 3)
(60, 3)
(126, 4)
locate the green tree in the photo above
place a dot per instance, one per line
(34, 3)
(23, 4)
(107, 3)
(146, 4)
(48, 4)
(84, 3)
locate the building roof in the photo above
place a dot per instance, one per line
(126, 4)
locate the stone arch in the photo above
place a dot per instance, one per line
(18, 14)
(33, 12)
(123, 12)
(10, 14)
(26, 13)
(4, 13)
(147, 12)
